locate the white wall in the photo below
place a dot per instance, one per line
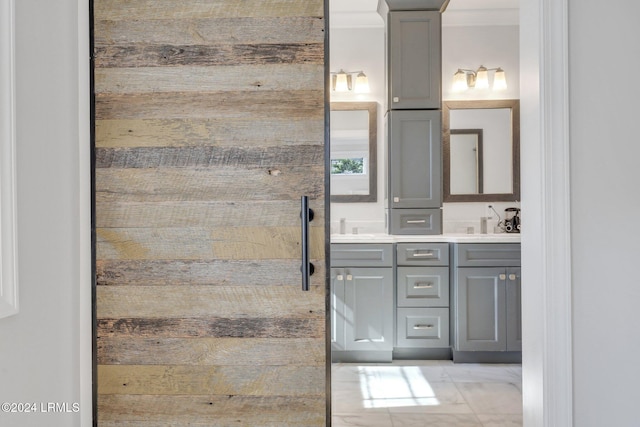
(605, 209)
(355, 49)
(45, 349)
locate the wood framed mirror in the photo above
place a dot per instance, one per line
(496, 124)
(354, 151)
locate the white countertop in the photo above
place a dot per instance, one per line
(448, 238)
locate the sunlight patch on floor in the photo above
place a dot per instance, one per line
(395, 386)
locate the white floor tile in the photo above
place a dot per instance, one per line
(500, 420)
(366, 420)
(483, 373)
(435, 420)
(426, 393)
(492, 398)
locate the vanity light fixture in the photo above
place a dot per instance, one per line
(464, 79)
(342, 81)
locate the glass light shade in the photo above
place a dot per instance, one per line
(341, 84)
(482, 78)
(459, 81)
(499, 80)
(362, 84)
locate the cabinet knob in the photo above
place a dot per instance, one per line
(396, 200)
(512, 277)
(502, 277)
(396, 99)
(339, 277)
(349, 277)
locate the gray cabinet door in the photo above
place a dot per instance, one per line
(414, 57)
(337, 309)
(514, 310)
(368, 309)
(480, 308)
(415, 147)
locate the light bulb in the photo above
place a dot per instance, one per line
(482, 78)
(459, 81)
(362, 83)
(341, 82)
(499, 80)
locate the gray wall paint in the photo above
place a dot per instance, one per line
(40, 347)
(605, 204)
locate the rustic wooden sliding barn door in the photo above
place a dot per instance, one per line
(209, 123)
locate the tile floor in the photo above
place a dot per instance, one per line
(426, 393)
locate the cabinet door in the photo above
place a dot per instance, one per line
(369, 308)
(514, 310)
(337, 309)
(415, 148)
(414, 60)
(480, 302)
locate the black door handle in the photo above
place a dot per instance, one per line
(306, 216)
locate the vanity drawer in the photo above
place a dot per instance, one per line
(422, 327)
(415, 221)
(423, 287)
(422, 254)
(487, 254)
(361, 255)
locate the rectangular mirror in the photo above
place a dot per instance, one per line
(354, 152)
(481, 150)
(465, 149)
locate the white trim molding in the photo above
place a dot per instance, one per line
(85, 343)
(546, 240)
(8, 242)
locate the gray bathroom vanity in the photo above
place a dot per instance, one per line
(426, 297)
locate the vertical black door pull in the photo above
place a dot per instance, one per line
(306, 216)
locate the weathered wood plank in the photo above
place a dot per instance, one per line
(249, 380)
(284, 131)
(210, 410)
(206, 157)
(210, 273)
(176, 10)
(220, 301)
(194, 31)
(210, 351)
(116, 214)
(208, 327)
(219, 184)
(201, 243)
(208, 79)
(136, 55)
(260, 104)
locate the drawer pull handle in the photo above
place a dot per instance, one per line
(340, 277)
(512, 277)
(423, 255)
(423, 286)
(502, 277)
(416, 221)
(422, 326)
